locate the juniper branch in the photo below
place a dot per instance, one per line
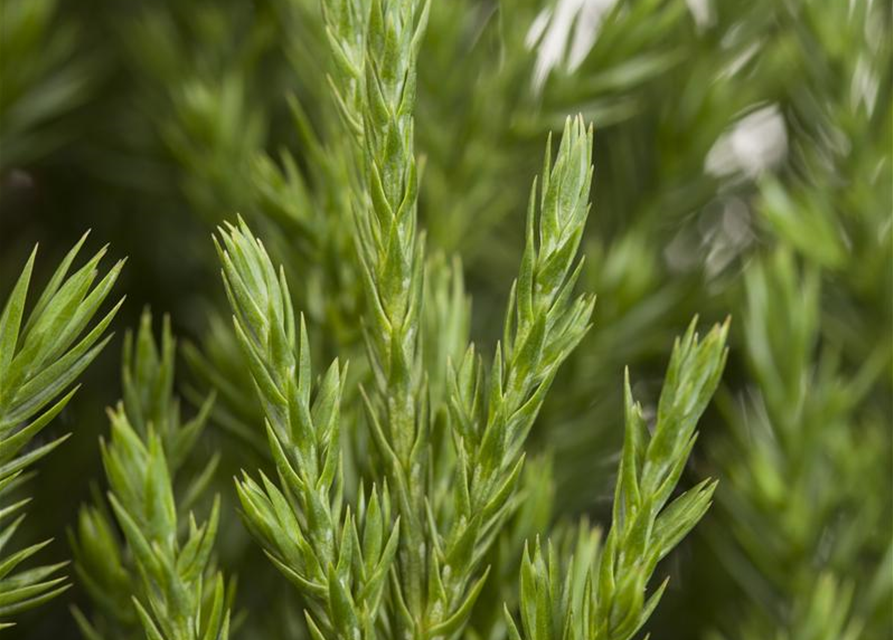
(801, 421)
(337, 560)
(543, 325)
(602, 596)
(390, 249)
(391, 254)
(40, 359)
(149, 583)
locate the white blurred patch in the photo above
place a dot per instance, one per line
(701, 11)
(723, 232)
(589, 21)
(537, 28)
(728, 236)
(755, 143)
(865, 85)
(738, 63)
(572, 21)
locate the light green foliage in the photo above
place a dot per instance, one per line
(543, 324)
(802, 423)
(599, 593)
(156, 581)
(443, 541)
(444, 535)
(339, 561)
(389, 246)
(390, 252)
(41, 356)
(381, 150)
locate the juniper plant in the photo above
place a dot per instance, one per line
(443, 535)
(397, 494)
(339, 561)
(442, 545)
(543, 324)
(601, 595)
(157, 581)
(392, 265)
(301, 524)
(41, 357)
(792, 559)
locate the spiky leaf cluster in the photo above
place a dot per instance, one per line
(389, 246)
(444, 541)
(491, 419)
(375, 56)
(600, 592)
(152, 581)
(339, 561)
(41, 356)
(801, 423)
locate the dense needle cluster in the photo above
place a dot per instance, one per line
(155, 578)
(41, 357)
(473, 473)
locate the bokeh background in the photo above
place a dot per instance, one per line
(743, 168)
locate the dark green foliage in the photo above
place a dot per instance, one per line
(153, 581)
(42, 354)
(364, 168)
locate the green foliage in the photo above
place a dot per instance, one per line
(598, 592)
(543, 324)
(41, 356)
(802, 423)
(375, 89)
(381, 149)
(444, 536)
(302, 524)
(153, 582)
(41, 79)
(809, 548)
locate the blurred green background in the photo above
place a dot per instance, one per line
(742, 167)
